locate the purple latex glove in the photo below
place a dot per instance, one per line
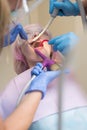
(42, 80)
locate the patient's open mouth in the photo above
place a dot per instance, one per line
(38, 43)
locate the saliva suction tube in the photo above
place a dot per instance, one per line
(47, 62)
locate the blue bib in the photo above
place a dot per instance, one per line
(74, 119)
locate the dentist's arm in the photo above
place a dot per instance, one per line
(22, 117)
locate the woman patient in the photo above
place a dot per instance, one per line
(47, 114)
(24, 54)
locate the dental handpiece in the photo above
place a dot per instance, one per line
(53, 15)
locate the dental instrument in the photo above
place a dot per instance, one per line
(42, 32)
(53, 16)
(46, 63)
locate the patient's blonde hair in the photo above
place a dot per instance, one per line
(4, 19)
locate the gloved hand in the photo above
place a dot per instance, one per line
(65, 8)
(11, 37)
(43, 78)
(64, 42)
